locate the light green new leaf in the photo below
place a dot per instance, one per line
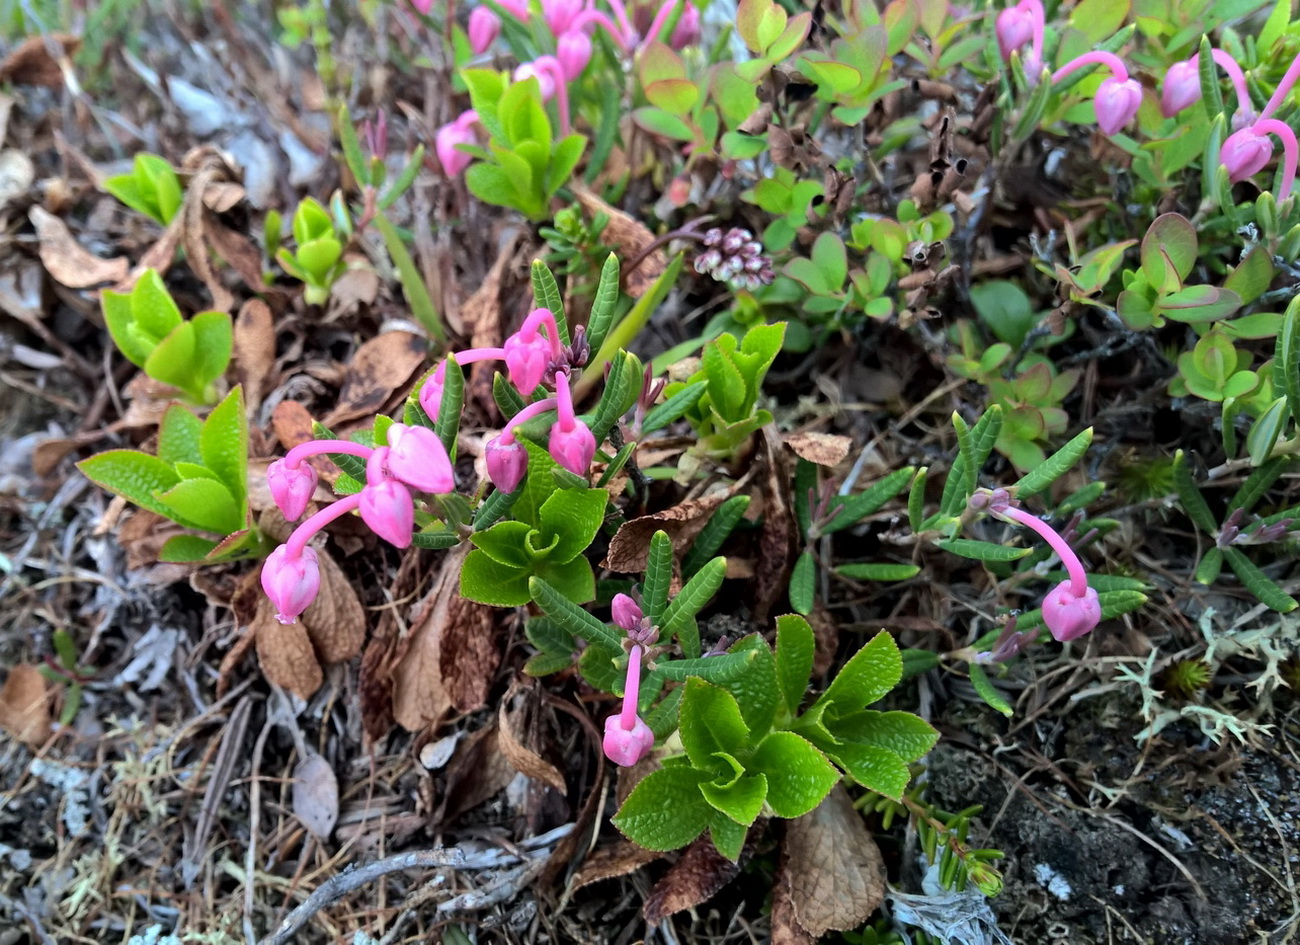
(741, 800)
(795, 648)
(803, 583)
(205, 503)
(986, 690)
(505, 543)
(574, 516)
(178, 436)
(213, 344)
(666, 809)
(605, 303)
(135, 476)
(906, 735)
(798, 775)
(224, 444)
(490, 582)
(873, 671)
(710, 723)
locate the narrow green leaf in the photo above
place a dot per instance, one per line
(546, 292)
(982, 550)
(621, 387)
(409, 275)
(1194, 504)
(795, 648)
(603, 306)
(572, 617)
(916, 500)
(1057, 465)
(1258, 583)
(803, 584)
(352, 155)
(1207, 572)
(857, 507)
(986, 691)
(679, 616)
(658, 576)
(715, 532)
(447, 424)
(878, 572)
(674, 408)
(404, 180)
(1286, 361)
(1211, 95)
(435, 539)
(966, 450)
(720, 669)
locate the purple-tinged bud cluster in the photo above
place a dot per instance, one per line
(734, 256)
(1233, 534)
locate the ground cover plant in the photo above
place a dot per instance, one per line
(614, 470)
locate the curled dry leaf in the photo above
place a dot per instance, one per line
(824, 449)
(777, 540)
(522, 758)
(254, 350)
(831, 868)
(67, 261)
(285, 653)
(630, 545)
(478, 772)
(39, 59)
(693, 879)
(25, 705)
(618, 859)
(291, 423)
(381, 366)
(17, 172)
(316, 795)
(629, 237)
(335, 621)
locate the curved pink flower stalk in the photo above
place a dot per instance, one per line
(529, 352)
(1182, 86)
(550, 76)
(1283, 89)
(572, 444)
(290, 574)
(662, 15)
(1117, 98)
(1070, 609)
(591, 17)
(1246, 152)
(627, 738)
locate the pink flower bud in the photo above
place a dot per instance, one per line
(573, 448)
(1182, 87)
(389, 511)
(1015, 28)
(573, 49)
(625, 746)
(291, 488)
(290, 581)
(545, 82)
(627, 613)
(1069, 617)
(422, 6)
(484, 27)
(431, 391)
(1116, 103)
(560, 14)
(506, 463)
(1245, 153)
(419, 459)
(527, 361)
(449, 137)
(687, 31)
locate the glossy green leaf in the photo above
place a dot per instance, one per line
(178, 436)
(798, 775)
(710, 722)
(756, 689)
(135, 476)
(1258, 583)
(803, 583)
(795, 648)
(873, 671)
(982, 550)
(674, 408)
(184, 549)
(906, 735)
(1057, 465)
(204, 503)
(224, 444)
(665, 810)
(986, 690)
(658, 576)
(574, 516)
(857, 507)
(172, 360)
(505, 544)
(875, 768)
(490, 582)
(604, 305)
(884, 571)
(741, 800)
(679, 616)
(1193, 503)
(715, 532)
(574, 579)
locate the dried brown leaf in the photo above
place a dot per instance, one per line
(630, 546)
(285, 652)
(693, 879)
(254, 349)
(419, 696)
(17, 172)
(628, 237)
(777, 539)
(316, 795)
(380, 366)
(824, 449)
(522, 758)
(25, 705)
(67, 261)
(39, 59)
(211, 168)
(478, 772)
(832, 867)
(335, 621)
(618, 859)
(234, 248)
(826, 636)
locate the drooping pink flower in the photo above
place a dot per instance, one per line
(573, 448)
(560, 14)
(1245, 153)
(1182, 87)
(573, 50)
(1116, 104)
(386, 505)
(627, 738)
(431, 391)
(291, 579)
(449, 137)
(507, 462)
(484, 28)
(418, 458)
(1014, 28)
(626, 613)
(291, 487)
(1068, 615)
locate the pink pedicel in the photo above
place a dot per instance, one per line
(291, 581)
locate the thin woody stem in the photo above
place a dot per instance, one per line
(1078, 577)
(687, 232)
(303, 533)
(631, 689)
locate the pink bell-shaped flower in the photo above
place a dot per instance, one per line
(573, 448)
(484, 28)
(431, 391)
(687, 31)
(627, 738)
(418, 458)
(1182, 87)
(506, 463)
(1067, 616)
(291, 487)
(527, 361)
(1014, 28)
(545, 81)
(389, 511)
(573, 50)
(1116, 103)
(1245, 153)
(449, 137)
(627, 613)
(291, 581)
(560, 14)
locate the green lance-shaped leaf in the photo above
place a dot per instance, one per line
(658, 576)
(402, 183)
(178, 436)
(1266, 430)
(982, 550)
(965, 450)
(1259, 583)
(719, 670)
(714, 533)
(1207, 572)
(224, 444)
(1194, 504)
(352, 154)
(447, 425)
(135, 476)
(572, 617)
(172, 361)
(803, 583)
(883, 571)
(546, 292)
(1056, 466)
(213, 345)
(679, 616)
(604, 305)
(507, 398)
(620, 393)
(1286, 360)
(858, 507)
(206, 503)
(985, 689)
(916, 499)
(435, 539)
(674, 408)
(1211, 96)
(795, 649)
(412, 280)
(873, 671)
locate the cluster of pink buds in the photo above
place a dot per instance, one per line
(534, 358)
(627, 738)
(1117, 98)
(734, 256)
(1249, 149)
(414, 458)
(1070, 609)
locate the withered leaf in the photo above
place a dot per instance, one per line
(832, 867)
(25, 705)
(67, 261)
(316, 795)
(824, 449)
(693, 879)
(292, 423)
(380, 366)
(478, 772)
(630, 546)
(254, 349)
(335, 620)
(37, 60)
(285, 653)
(522, 758)
(617, 859)
(776, 541)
